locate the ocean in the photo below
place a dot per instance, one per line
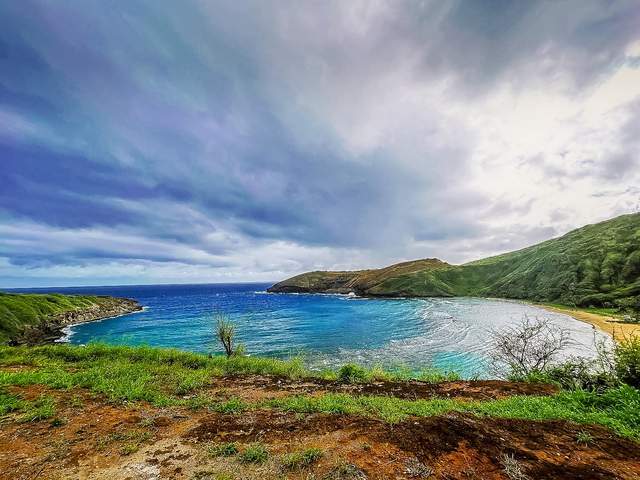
(451, 334)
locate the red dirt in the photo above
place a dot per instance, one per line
(98, 440)
(250, 386)
(455, 446)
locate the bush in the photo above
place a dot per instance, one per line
(352, 373)
(574, 374)
(627, 360)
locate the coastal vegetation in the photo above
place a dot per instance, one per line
(594, 266)
(33, 318)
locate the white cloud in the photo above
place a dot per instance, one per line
(236, 143)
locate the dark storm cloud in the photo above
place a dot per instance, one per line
(212, 126)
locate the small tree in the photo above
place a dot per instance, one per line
(528, 347)
(225, 331)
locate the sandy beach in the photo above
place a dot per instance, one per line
(608, 324)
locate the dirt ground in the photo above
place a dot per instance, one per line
(255, 387)
(99, 440)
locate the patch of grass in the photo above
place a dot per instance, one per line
(129, 448)
(77, 401)
(302, 459)
(122, 373)
(162, 377)
(43, 408)
(10, 403)
(228, 449)
(584, 438)
(234, 405)
(352, 373)
(254, 453)
(618, 409)
(147, 422)
(390, 409)
(432, 375)
(31, 411)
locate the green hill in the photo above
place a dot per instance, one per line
(29, 318)
(596, 265)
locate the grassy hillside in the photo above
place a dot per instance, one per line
(596, 265)
(19, 312)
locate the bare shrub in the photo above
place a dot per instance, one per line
(512, 469)
(528, 347)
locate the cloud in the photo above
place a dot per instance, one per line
(214, 140)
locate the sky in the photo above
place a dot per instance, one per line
(223, 141)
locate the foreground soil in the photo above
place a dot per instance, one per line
(94, 439)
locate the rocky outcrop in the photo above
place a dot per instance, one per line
(49, 329)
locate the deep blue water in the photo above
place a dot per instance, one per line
(329, 330)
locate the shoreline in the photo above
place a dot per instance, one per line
(65, 332)
(605, 323)
(54, 328)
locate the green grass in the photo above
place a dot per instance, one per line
(164, 377)
(19, 310)
(10, 403)
(254, 453)
(159, 376)
(30, 411)
(223, 449)
(121, 373)
(301, 459)
(618, 409)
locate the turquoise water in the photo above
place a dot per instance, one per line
(329, 330)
